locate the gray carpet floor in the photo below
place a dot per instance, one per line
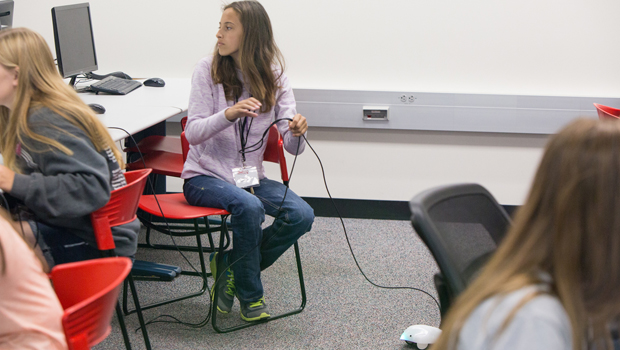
(343, 309)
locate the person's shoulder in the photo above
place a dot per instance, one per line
(205, 63)
(544, 307)
(45, 117)
(536, 297)
(43, 113)
(46, 122)
(534, 302)
(282, 79)
(279, 71)
(533, 314)
(202, 71)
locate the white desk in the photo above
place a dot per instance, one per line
(141, 108)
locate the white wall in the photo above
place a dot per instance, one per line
(532, 47)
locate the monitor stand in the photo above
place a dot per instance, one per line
(78, 90)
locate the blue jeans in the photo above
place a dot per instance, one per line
(256, 248)
(60, 246)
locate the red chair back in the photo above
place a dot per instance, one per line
(184, 146)
(121, 208)
(183, 123)
(88, 292)
(605, 112)
(274, 152)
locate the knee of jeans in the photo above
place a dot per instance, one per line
(303, 217)
(249, 207)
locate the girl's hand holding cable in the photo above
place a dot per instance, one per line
(299, 125)
(245, 108)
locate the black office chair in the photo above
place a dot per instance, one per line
(462, 225)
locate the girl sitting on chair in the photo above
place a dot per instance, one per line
(60, 162)
(236, 94)
(553, 284)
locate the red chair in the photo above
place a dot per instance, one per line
(88, 292)
(161, 153)
(121, 209)
(173, 206)
(605, 112)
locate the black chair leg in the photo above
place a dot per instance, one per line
(121, 322)
(246, 325)
(145, 334)
(202, 273)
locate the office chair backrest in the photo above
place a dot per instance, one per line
(462, 225)
(605, 112)
(120, 209)
(88, 292)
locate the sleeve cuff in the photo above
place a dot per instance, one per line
(20, 186)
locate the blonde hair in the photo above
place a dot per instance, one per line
(258, 54)
(569, 227)
(40, 85)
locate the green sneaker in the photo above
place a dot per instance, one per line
(255, 311)
(225, 285)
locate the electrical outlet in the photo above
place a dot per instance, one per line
(403, 98)
(411, 99)
(375, 112)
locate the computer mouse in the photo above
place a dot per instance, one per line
(155, 82)
(420, 335)
(97, 108)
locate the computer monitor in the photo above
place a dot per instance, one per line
(75, 45)
(6, 14)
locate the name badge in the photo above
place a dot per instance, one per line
(246, 176)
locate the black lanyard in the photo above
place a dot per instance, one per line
(244, 134)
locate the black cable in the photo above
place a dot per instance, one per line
(349, 243)
(259, 144)
(6, 203)
(19, 218)
(335, 207)
(244, 137)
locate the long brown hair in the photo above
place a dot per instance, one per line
(258, 56)
(40, 85)
(569, 227)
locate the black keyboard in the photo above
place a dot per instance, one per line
(115, 86)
